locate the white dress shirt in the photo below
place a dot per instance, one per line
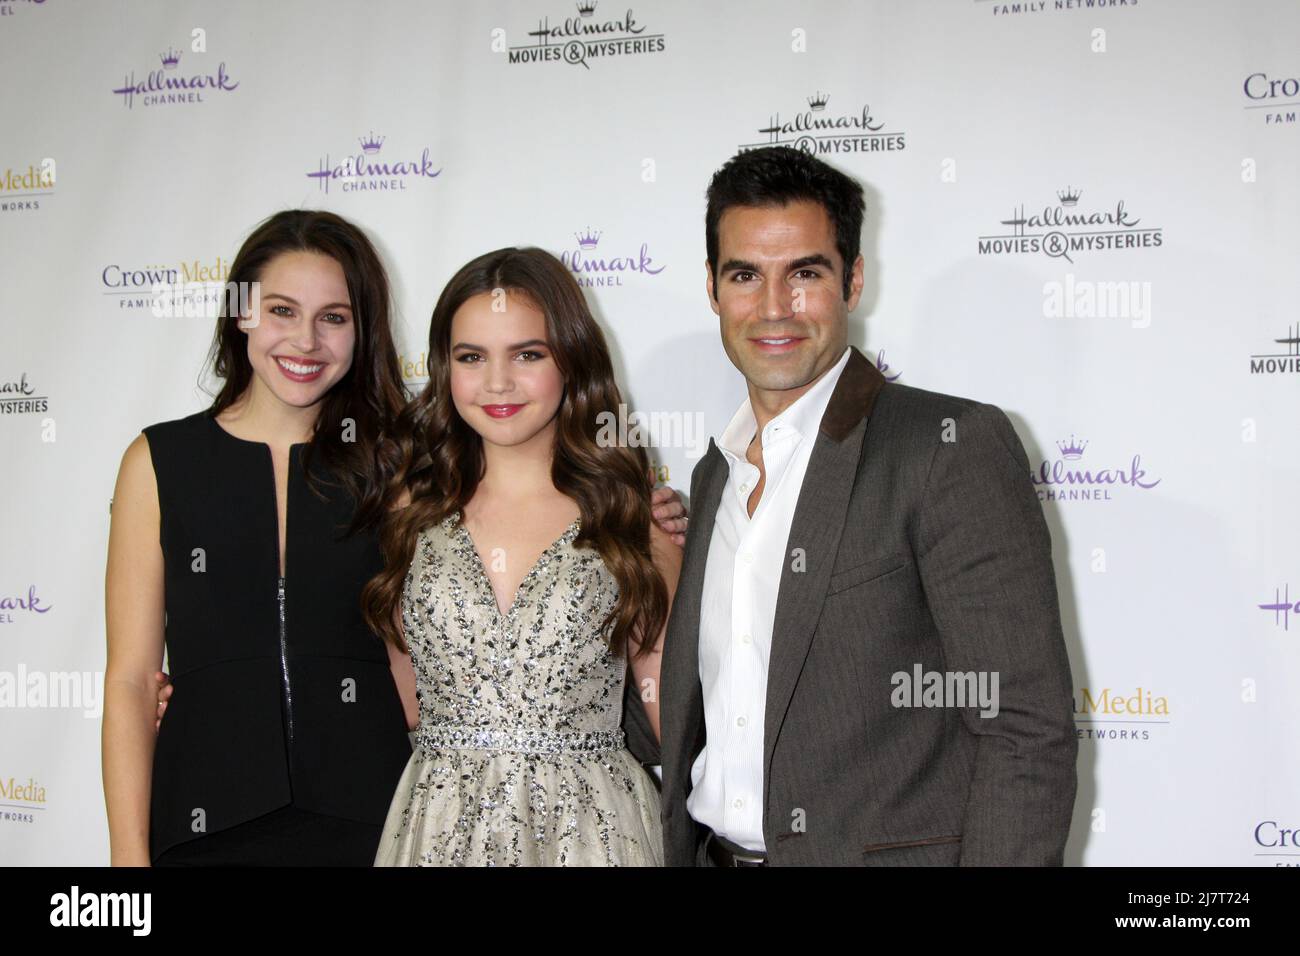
(741, 580)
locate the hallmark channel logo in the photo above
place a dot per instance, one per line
(1277, 98)
(171, 84)
(1064, 227)
(1279, 363)
(575, 40)
(1282, 607)
(29, 603)
(191, 287)
(20, 398)
(9, 7)
(1109, 714)
(820, 131)
(594, 266)
(369, 171)
(21, 189)
(1066, 478)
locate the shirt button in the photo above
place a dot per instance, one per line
(738, 803)
(740, 721)
(745, 639)
(745, 486)
(746, 557)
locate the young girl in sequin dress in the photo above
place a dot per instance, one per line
(526, 578)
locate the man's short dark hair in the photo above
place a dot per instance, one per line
(776, 176)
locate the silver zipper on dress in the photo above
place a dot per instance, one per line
(284, 667)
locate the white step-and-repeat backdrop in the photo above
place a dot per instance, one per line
(1084, 212)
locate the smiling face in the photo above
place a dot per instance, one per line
(303, 340)
(779, 295)
(504, 380)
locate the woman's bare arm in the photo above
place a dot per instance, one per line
(398, 662)
(404, 678)
(667, 558)
(133, 604)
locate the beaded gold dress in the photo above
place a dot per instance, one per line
(519, 756)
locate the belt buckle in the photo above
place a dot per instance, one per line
(744, 858)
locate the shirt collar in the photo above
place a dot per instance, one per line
(803, 417)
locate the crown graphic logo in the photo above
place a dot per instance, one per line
(587, 9)
(1069, 196)
(588, 241)
(371, 144)
(170, 59)
(818, 102)
(1073, 449)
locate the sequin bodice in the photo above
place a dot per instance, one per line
(542, 666)
(519, 758)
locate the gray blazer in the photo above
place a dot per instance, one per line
(919, 548)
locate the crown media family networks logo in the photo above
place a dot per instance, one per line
(820, 131)
(191, 288)
(1279, 844)
(1127, 714)
(369, 171)
(1064, 227)
(22, 188)
(576, 39)
(1008, 10)
(20, 800)
(170, 84)
(1276, 98)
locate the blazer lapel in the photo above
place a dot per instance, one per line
(681, 658)
(815, 530)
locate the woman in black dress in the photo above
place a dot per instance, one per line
(241, 537)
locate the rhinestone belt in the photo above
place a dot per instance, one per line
(520, 740)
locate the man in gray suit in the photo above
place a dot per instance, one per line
(864, 663)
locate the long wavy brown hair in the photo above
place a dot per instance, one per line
(442, 457)
(371, 394)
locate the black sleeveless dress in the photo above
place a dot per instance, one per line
(284, 738)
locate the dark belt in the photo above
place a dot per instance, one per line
(725, 853)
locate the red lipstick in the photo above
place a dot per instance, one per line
(501, 411)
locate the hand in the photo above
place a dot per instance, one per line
(669, 513)
(164, 695)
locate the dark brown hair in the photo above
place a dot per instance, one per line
(370, 393)
(442, 457)
(778, 176)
